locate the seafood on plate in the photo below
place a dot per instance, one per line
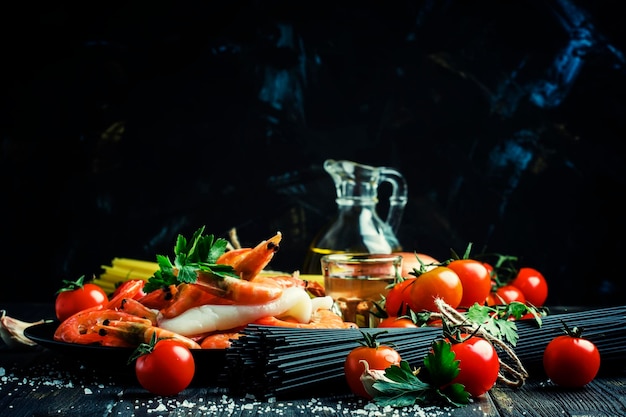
(204, 299)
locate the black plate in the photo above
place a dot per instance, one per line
(209, 362)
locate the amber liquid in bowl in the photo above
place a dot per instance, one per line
(356, 282)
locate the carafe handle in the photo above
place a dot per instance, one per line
(397, 198)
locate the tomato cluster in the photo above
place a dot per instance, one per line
(418, 293)
(460, 282)
(502, 292)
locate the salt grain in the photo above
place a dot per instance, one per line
(160, 407)
(188, 404)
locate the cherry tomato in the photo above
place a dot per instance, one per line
(410, 262)
(377, 356)
(128, 283)
(76, 296)
(439, 282)
(478, 365)
(533, 285)
(491, 271)
(166, 369)
(571, 361)
(398, 297)
(505, 295)
(393, 321)
(475, 278)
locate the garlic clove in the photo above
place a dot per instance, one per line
(370, 376)
(12, 331)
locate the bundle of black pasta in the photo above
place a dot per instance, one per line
(284, 362)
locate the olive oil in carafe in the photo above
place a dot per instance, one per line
(357, 228)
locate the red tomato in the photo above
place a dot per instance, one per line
(491, 271)
(533, 285)
(410, 262)
(478, 365)
(398, 297)
(377, 356)
(393, 321)
(475, 278)
(439, 282)
(571, 361)
(166, 369)
(76, 296)
(505, 295)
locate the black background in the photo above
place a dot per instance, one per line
(127, 123)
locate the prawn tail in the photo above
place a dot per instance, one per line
(134, 307)
(133, 334)
(130, 291)
(248, 263)
(222, 340)
(239, 291)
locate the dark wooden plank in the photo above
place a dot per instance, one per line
(44, 383)
(603, 397)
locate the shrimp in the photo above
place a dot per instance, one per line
(210, 318)
(240, 291)
(285, 281)
(212, 289)
(189, 296)
(159, 298)
(129, 333)
(249, 262)
(79, 328)
(130, 291)
(134, 307)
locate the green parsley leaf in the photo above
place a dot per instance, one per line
(480, 314)
(441, 363)
(197, 254)
(455, 394)
(405, 390)
(496, 319)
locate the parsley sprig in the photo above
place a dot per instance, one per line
(497, 319)
(200, 253)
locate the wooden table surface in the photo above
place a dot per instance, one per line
(42, 382)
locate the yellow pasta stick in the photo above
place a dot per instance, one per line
(134, 264)
(108, 287)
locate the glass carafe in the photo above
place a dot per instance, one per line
(357, 227)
